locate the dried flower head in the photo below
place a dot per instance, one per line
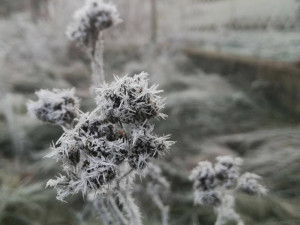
(203, 176)
(130, 99)
(249, 183)
(145, 145)
(60, 107)
(205, 182)
(227, 169)
(91, 153)
(216, 185)
(94, 17)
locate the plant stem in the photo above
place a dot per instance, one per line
(128, 204)
(123, 176)
(104, 212)
(97, 64)
(117, 210)
(133, 211)
(164, 210)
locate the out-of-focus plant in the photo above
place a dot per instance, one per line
(102, 151)
(157, 188)
(216, 185)
(20, 199)
(88, 24)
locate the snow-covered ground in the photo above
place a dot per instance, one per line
(274, 45)
(261, 28)
(220, 13)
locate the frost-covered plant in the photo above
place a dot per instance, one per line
(101, 154)
(95, 151)
(91, 19)
(215, 185)
(86, 29)
(102, 151)
(60, 107)
(157, 187)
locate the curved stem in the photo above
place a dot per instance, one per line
(133, 211)
(103, 211)
(96, 55)
(123, 176)
(164, 210)
(117, 210)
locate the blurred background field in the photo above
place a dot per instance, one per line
(231, 74)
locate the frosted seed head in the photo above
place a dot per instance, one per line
(130, 100)
(60, 107)
(227, 170)
(91, 153)
(94, 17)
(145, 145)
(203, 176)
(249, 183)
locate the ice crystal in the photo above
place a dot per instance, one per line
(60, 107)
(94, 17)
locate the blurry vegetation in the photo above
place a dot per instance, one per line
(25, 201)
(8, 7)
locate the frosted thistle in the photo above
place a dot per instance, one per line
(130, 99)
(145, 145)
(94, 17)
(216, 185)
(90, 153)
(96, 150)
(60, 107)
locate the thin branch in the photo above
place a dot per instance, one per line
(160, 205)
(117, 210)
(123, 176)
